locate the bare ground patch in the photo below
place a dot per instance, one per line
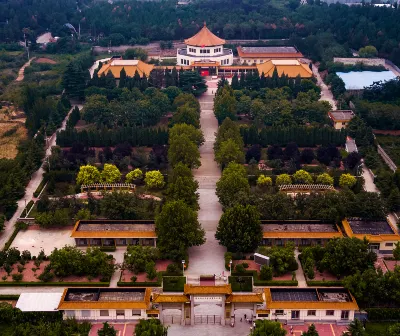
(10, 136)
(45, 60)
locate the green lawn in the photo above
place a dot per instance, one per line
(377, 328)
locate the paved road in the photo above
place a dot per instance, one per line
(30, 189)
(208, 258)
(299, 272)
(326, 94)
(20, 77)
(369, 184)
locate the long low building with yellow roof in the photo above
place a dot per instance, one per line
(99, 232)
(299, 232)
(381, 234)
(294, 305)
(107, 304)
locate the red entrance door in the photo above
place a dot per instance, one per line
(204, 73)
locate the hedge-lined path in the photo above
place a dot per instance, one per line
(208, 258)
(31, 187)
(299, 272)
(326, 94)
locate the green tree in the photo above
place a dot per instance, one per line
(186, 115)
(396, 251)
(96, 110)
(356, 328)
(282, 259)
(264, 181)
(233, 185)
(107, 330)
(88, 175)
(266, 273)
(192, 82)
(194, 134)
(74, 79)
(368, 51)
(347, 180)
(151, 271)
(178, 229)
(266, 327)
(311, 331)
(136, 53)
(225, 104)
(183, 186)
(122, 78)
(123, 205)
(133, 175)
(182, 149)
(239, 229)
(150, 327)
(110, 174)
(154, 179)
(325, 178)
(394, 330)
(345, 256)
(302, 177)
(137, 257)
(229, 151)
(283, 179)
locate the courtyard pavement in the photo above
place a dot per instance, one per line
(123, 329)
(208, 258)
(35, 240)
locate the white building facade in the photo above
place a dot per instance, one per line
(204, 47)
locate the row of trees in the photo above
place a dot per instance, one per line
(303, 136)
(285, 106)
(177, 225)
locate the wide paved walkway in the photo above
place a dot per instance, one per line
(208, 258)
(326, 94)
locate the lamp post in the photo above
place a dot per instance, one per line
(183, 267)
(230, 267)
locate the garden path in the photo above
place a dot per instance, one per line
(208, 258)
(21, 71)
(326, 93)
(34, 182)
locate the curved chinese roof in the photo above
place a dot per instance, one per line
(204, 38)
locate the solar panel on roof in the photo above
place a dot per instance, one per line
(291, 296)
(370, 227)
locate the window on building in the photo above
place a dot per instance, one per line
(330, 312)
(262, 315)
(311, 312)
(279, 312)
(120, 312)
(295, 314)
(344, 315)
(208, 51)
(136, 312)
(388, 244)
(104, 313)
(85, 313)
(70, 313)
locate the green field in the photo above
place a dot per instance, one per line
(377, 328)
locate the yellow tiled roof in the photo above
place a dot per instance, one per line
(204, 38)
(371, 238)
(292, 68)
(166, 298)
(78, 305)
(263, 311)
(251, 298)
(152, 311)
(113, 234)
(302, 235)
(192, 289)
(115, 68)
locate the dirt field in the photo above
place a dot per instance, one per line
(45, 60)
(10, 136)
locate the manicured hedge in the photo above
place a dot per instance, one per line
(40, 186)
(108, 248)
(11, 239)
(60, 283)
(329, 283)
(173, 283)
(139, 284)
(383, 314)
(6, 297)
(276, 283)
(245, 286)
(228, 258)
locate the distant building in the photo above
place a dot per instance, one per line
(130, 66)
(299, 232)
(292, 68)
(341, 118)
(305, 305)
(381, 235)
(204, 47)
(258, 55)
(114, 233)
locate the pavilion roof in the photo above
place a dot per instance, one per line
(204, 38)
(292, 68)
